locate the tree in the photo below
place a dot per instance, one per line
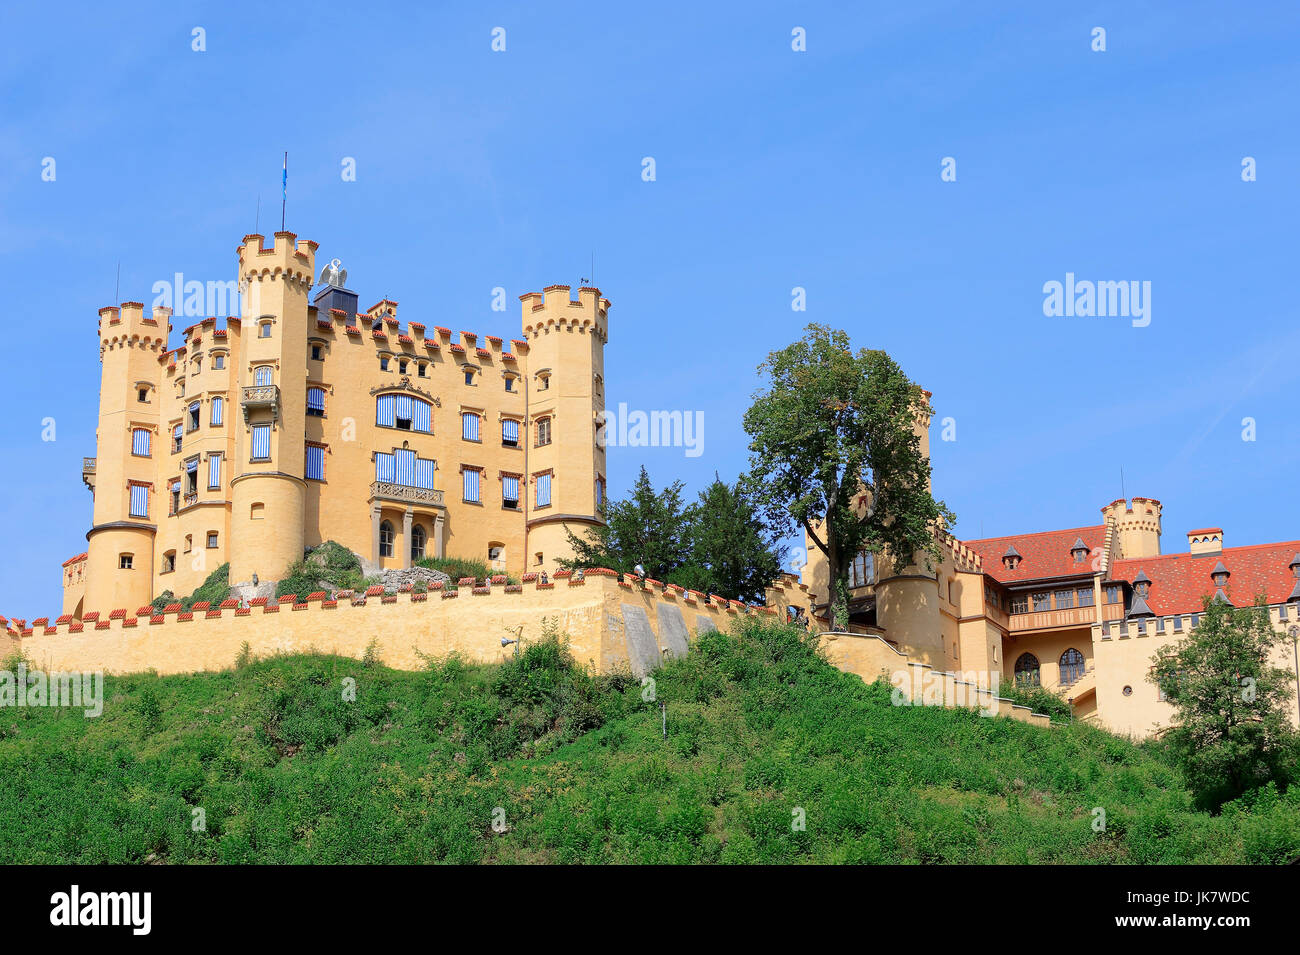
(1231, 730)
(733, 552)
(648, 528)
(835, 450)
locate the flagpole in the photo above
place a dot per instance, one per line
(284, 188)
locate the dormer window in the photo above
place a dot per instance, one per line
(1220, 575)
(1079, 550)
(1011, 558)
(1295, 570)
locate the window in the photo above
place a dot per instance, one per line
(404, 413)
(176, 439)
(191, 477)
(420, 369)
(1065, 600)
(1019, 603)
(424, 473)
(469, 376)
(212, 540)
(1114, 593)
(470, 479)
(497, 556)
(262, 375)
(510, 433)
(401, 366)
(600, 494)
(543, 431)
(189, 543)
(418, 539)
(469, 426)
(314, 463)
(261, 442)
(169, 562)
(543, 382)
(1072, 666)
(510, 491)
(214, 471)
(218, 362)
(257, 511)
(192, 422)
(124, 561)
(198, 365)
(1170, 682)
(315, 353)
(140, 442)
(142, 394)
(1086, 597)
(218, 410)
(537, 558)
(139, 500)
(316, 402)
(1027, 670)
(264, 330)
(386, 539)
(510, 383)
(175, 491)
(544, 490)
(383, 363)
(1041, 601)
(862, 570)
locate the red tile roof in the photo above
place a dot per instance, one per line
(1180, 581)
(73, 560)
(1042, 555)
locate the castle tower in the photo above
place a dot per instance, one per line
(1137, 526)
(120, 558)
(267, 485)
(565, 401)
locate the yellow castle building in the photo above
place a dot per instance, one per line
(304, 419)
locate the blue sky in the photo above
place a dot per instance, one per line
(774, 169)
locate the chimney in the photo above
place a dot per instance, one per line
(1207, 540)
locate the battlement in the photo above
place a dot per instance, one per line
(1137, 524)
(553, 307)
(287, 257)
(127, 326)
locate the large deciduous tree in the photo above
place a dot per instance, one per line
(1231, 731)
(836, 451)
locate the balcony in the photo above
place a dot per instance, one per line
(402, 494)
(1052, 619)
(88, 472)
(256, 397)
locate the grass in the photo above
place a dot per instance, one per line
(458, 568)
(288, 769)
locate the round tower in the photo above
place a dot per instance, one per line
(120, 558)
(565, 403)
(1137, 526)
(267, 487)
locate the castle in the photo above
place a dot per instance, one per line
(304, 419)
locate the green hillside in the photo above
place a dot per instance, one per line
(759, 726)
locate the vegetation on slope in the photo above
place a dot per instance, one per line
(214, 589)
(759, 728)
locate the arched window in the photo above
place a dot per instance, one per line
(1027, 670)
(417, 542)
(386, 539)
(218, 410)
(262, 375)
(1072, 666)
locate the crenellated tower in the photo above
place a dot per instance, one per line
(566, 398)
(1137, 526)
(267, 485)
(120, 551)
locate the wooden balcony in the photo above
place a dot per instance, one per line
(88, 472)
(402, 494)
(1052, 619)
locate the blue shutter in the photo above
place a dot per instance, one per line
(214, 471)
(384, 467)
(405, 468)
(192, 466)
(194, 415)
(424, 474)
(139, 500)
(421, 422)
(403, 409)
(543, 490)
(316, 399)
(315, 463)
(384, 411)
(510, 432)
(140, 442)
(469, 426)
(261, 441)
(471, 485)
(176, 434)
(218, 406)
(510, 489)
